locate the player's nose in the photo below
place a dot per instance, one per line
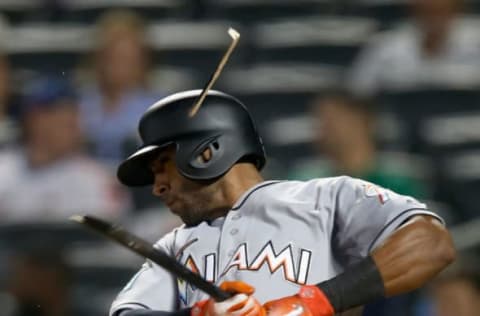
(160, 185)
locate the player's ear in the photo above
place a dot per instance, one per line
(205, 156)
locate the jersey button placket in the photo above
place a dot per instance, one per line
(229, 235)
(236, 216)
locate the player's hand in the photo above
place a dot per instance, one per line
(310, 301)
(241, 304)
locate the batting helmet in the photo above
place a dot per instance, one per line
(222, 124)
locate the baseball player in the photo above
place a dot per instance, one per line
(319, 247)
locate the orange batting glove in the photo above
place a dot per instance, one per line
(309, 301)
(241, 304)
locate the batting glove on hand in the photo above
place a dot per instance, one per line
(309, 301)
(241, 304)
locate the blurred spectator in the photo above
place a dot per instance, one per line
(49, 178)
(8, 126)
(437, 47)
(457, 290)
(345, 134)
(39, 282)
(113, 104)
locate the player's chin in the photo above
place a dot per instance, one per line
(179, 210)
(175, 208)
(188, 217)
(189, 221)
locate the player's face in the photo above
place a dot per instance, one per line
(127, 51)
(338, 125)
(434, 13)
(56, 129)
(191, 200)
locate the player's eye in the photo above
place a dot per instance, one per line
(158, 165)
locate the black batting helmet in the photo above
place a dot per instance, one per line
(222, 124)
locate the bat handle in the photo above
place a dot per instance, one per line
(218, 294)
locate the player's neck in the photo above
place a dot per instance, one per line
(238, 180)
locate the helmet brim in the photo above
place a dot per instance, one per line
(135, 170)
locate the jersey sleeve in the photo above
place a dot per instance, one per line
(151, 288)
(366, 214)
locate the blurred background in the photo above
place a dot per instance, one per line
(384, 90)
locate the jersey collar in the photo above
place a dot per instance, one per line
(243, 198)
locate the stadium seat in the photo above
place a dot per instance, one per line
(331, 40)
(473, 6)
(251, 11)
(443, 125)
(21, 237)
(278, 96)
(447, 132)
(18, 11)
(46, 46)
(16, 235)
(198, 45)
(168, 79)
(98, 285)
(459, 182)
(87, 11)
(414, 107)
(60, 46)
(279, 89)
(386, 12)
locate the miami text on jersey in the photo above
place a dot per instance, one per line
(267, 255)
(284, 259)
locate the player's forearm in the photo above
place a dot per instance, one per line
(409, 258)
(413, 255)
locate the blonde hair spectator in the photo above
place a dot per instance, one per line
(115, 99)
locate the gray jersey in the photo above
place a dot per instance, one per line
(277, 237)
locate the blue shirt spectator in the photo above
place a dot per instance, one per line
(48, 177)
(112, 104)
(107, 131)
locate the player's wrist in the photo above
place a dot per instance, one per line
(315, 300)
(358, 285)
